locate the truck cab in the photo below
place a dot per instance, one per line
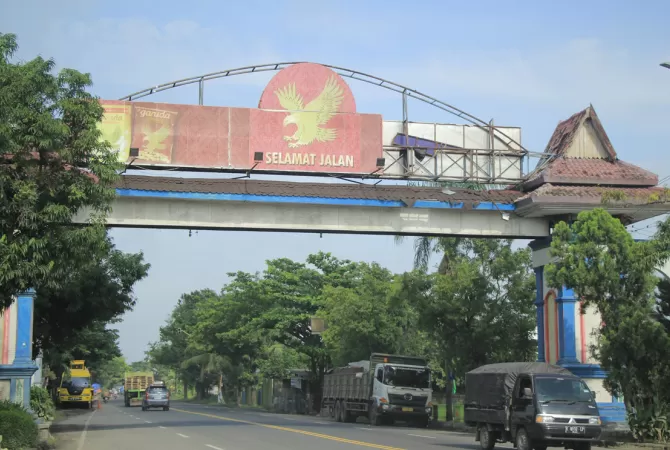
(402, 390)
(555, 410)
(76, 388)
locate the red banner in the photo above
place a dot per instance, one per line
(307, 122)
(227, 138)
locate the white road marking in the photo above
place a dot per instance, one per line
(82, 438)
(322, 423)
(211, 446)
(146, 421)
(421, 435)
(160, 426)
(268, 415)
(182, 435)
(289, 418)
(137, 418)
(366, 429)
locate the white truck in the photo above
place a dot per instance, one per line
(383, 389)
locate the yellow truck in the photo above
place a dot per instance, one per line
(135, 385)
(75, 386)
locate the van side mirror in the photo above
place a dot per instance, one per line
(527, 393)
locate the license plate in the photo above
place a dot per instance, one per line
(575, 430)
(408, 409)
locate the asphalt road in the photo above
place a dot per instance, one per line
(190, 426)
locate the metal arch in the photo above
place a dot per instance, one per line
(349, 73)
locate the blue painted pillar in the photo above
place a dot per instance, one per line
(567, 342)
(539, 304)
(24, 328)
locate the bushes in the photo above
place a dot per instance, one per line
(17, 428)
(650, 424)
(42, 404)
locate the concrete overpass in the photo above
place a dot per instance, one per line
(188, 203)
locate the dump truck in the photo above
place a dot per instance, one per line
(383, 389)
(134, 386)
(534, 405)
(75, 386)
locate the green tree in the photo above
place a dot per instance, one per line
(111, 372)
(173, 347)
(481, 309)
(96, 288)
(598, 258)
(370, 316)
(52, 164)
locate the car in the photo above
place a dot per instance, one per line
(156, 396)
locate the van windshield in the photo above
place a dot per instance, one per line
(562, 389)
(406, 377)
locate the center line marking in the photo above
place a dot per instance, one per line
(211, 446)
(293, 430)
(421, 435)
(182, 435)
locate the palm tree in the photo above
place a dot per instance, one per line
(209, 363)
(425, 246)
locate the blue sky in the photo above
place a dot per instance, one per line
(523, 63)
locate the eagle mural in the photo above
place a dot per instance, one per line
(310, 119)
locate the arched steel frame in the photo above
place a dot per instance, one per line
(344, 72)
(512, 147)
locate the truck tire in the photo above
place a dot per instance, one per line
(338, 411)
(522, 440)
(375, 419)
(423, 423)
(487, 439)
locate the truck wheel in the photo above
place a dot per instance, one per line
(583, 446)
(348, 416)
(522, 441)
(375, 419)
(422, 423)
(338, 411)
(486, 439)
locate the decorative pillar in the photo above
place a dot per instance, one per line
(567, 345)
(24, 328)
(539, 304)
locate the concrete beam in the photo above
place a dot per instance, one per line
(184, 213)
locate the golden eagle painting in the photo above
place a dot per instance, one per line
(310, 119)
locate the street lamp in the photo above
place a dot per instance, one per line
(666, 65)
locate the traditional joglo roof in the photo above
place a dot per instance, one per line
(582, 170)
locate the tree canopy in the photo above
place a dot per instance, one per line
(609, 270)
(52, 164)
(258, 325)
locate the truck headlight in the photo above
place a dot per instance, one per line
(385, 406)
(429, 409)
(594, 421)
(544, 419)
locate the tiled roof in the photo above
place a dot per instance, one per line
(593, 171)
(406, 194)
(565, 132)
(609, 171)
(594, 194)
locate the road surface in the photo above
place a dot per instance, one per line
(191, 426)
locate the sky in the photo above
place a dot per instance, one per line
(523, 63)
